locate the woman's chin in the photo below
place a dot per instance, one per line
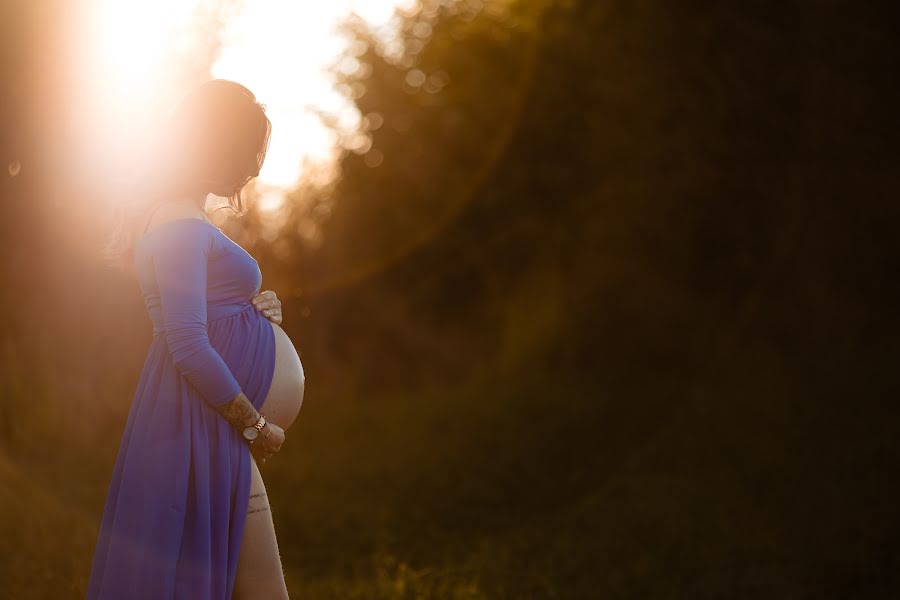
(221, 192)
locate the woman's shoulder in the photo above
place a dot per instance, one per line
(182, 224)
(178, 233)
(172, 210)
(171, 217)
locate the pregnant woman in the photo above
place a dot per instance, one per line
(186, 515)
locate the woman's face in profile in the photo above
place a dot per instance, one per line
(222, 190)
(231, 180)
(216, 140)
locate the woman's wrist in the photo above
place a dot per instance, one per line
(240, 412)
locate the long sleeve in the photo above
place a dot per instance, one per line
(181, 264)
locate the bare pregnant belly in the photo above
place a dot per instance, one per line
(282, 403)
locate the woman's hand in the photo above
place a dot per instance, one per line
(267, 443)
(269, 305)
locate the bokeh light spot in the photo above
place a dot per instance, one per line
(374, 158)
(415, 78)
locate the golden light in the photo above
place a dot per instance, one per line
(134, 36)
(282, 50)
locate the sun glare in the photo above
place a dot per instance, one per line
(281, 50)
(134, 35)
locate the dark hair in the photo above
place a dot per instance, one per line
(214, 140)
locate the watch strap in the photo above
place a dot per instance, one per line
(260, 423)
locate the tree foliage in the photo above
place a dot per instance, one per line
(600, 305)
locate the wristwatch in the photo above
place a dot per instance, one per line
(250, 433)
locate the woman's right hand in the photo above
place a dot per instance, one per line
(267, 443)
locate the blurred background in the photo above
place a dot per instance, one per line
(595, 297)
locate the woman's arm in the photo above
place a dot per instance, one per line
(240, 412)
(180, 260)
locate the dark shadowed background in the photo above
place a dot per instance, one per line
(606, 310)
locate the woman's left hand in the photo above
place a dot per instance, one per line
(269, 305)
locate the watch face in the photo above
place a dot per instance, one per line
(250, 433)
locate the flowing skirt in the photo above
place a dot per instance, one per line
(175, 510)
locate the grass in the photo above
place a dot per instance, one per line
(732, 479)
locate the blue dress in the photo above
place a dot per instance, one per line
(177, 502)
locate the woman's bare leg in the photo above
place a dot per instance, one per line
(259, 570)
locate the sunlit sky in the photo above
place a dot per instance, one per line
(280, 49)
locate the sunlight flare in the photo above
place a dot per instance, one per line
(282, 51)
